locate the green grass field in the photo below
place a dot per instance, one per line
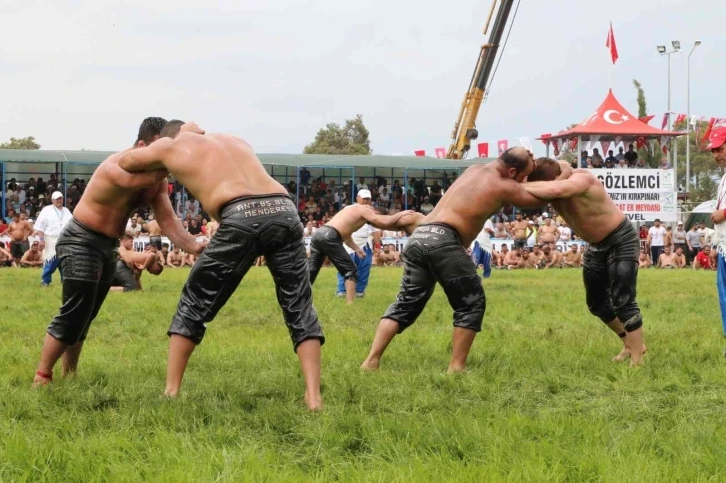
(541, 400)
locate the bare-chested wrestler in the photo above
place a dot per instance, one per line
(571, 257)
(643, 259)
(389, 256)
(131, 264)
(154, 234)
(19, 230)
(552, 257)
(520, 231)
(610, 263)
(86, 248)
(548, 233)
(512, 258)
(33, 257)
(212, 228)
(667, 259)
(328, 240)
(527, 261)
(175, 258)
(436, 252)
(257, 217)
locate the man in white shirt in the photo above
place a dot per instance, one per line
(565, 232)
(717, 145)
(51, 221)
(656, 235)
(481, 248)
(361, 237)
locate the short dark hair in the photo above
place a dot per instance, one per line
(149, 129)
(546, 169)
(517, 158)
(171, 128)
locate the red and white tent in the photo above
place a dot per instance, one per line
(610, 122)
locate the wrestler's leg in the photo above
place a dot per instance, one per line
(623, 275)
(417, 287)
(288, 266)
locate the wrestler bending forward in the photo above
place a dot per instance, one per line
(610, 263)
(256, 217)
(436, 252)
(86, 248)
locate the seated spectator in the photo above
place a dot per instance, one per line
(133, 227)
(643, 258)
(552, 258)
(426, 207)
(436, 192)
(667, 259)
(6, 258)
(703, 259)
(572, 258)
(175, 259)
(33, 257)
(680, 258)
(612, 159)
(500, 231)
(131, 264)
(512, 258)
(388, 256)
(527, 261)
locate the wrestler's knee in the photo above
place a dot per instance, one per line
(601, 308)
(632, 323)
(351, 275)
(191, 330)
(472, 316)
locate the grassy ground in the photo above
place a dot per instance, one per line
(542, 401)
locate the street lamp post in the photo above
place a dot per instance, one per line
(662, 51)
(688, 118)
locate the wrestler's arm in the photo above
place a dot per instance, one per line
(353, 246)
(170, 224)
(148, 158)
(169, 261)
(384, 222)
(514, 194)
(565, 188)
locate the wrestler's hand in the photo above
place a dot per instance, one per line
(718, 216)
(199, 248)
(191, 127)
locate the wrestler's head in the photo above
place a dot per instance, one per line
(547, 169)
(171, 129)
(156, 268)
(518, 163)
(127, 241)
(149, 131)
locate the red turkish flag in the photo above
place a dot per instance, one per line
(640, 142)
(574, 144)
(680, 118)
(665, 120)
(440, 152)
(610, 44)
(502, 145)
(556, 147)
(646, 119)
(544, 137)
(483, 150)
(420, 152)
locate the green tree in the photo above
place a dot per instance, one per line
(351, 138)
(22, 143)
(566, 152)
(651, 152)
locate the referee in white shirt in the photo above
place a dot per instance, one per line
(51, 221)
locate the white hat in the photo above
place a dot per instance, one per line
(56, 195)
(545, 215)
(364, 194)
(680, 222)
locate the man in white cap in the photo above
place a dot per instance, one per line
(717, 145)
(51, 221)
(361, 237)
(679, 239)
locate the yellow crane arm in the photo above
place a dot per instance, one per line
(465, 127)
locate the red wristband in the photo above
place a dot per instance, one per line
(44, 375)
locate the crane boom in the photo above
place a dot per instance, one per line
(465, 128)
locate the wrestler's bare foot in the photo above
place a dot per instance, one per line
(370, 365)
(314, 402)
(40, 381)
(625, 354)
(456, 369)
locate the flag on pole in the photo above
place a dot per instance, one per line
(646, 119)
(420, 152)
(483, 149)
(502, 145)
(610, 44)
(440, 152)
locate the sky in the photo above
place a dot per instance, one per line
(83, 74)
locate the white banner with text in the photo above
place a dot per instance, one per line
(642, 194)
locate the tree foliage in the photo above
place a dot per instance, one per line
(351, 138)
(21, 143)
(651, 152)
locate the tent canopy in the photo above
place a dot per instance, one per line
(317, 160)
(612, 122)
